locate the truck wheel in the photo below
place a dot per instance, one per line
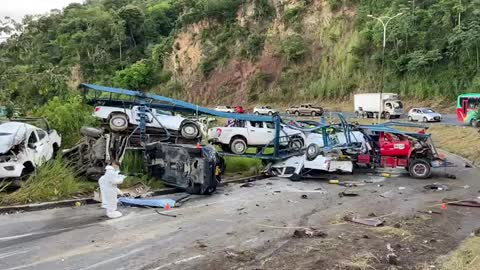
(118, 122)
(270, 113)
(91, 132)
(369, 115)
(410, 118)
(238, 146)
(420, 168)
(425, 119)
(297, 113)
(314, 113)
(189, 130)
(257, 113)
(295, 144)
(387, 115)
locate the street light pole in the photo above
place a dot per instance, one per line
(384, 24)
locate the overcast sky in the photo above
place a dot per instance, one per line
(16, 9)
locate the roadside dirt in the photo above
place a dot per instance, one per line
(417, 241)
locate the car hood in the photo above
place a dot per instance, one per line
(11, 134)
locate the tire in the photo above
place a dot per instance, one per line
(369, 115)
(425, 120)
(387, 115)
(420, 168)
(238, 146)
(257, 113)
(295, 144)
(357, 114)
(118, 122)
(312, 151)
(474, 123)
(189, 130)
(410, 118)
(270, 113)
(297, 113)
(91, 132)
(313, 113)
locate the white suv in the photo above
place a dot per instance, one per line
(24, 147)
(119, 119)
(264, 110)
(227, 109)
(240, 135)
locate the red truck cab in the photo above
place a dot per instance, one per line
(394, 145)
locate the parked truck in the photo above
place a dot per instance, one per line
(369, 105)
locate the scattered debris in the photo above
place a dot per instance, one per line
(347, 194)
(451, 176)
(308, 233)
(372, 214)
(163, 214)
(387, 194)
(466, 187)
(401, 188)
(476, 232)
(466, 203)
(240, 209)
(248, 184)
(163, 203)
(392, 258)
(269, 183)
(137, 191)
(430, 212)
(436, 186)
(374, 222)
(304, 196)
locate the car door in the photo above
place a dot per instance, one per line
(34, 150)
(257, 135)
(417, 115)
(45, 147)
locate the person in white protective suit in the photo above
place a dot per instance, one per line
(109, 191)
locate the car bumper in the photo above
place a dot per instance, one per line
(10, 169)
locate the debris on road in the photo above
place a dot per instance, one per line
(304, 196)
(137, 191)
(248, 184)
(308, 233)
(162, 203)
(466, 203)
(436, 186)
(347, 194)
(391, 257)
(451, 176)
(164, 214)
(373, 221)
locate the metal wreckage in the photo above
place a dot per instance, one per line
(198, 168)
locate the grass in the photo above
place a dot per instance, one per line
(55, 180)
(465, 257)
(360, 261)
(133, 164)
(389, 231)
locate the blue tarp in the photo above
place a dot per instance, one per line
(147, 202)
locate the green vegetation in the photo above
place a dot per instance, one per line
(465, 257)
(53, 181)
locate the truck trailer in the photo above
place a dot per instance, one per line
(369, 105)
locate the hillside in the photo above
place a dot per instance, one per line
(244, 51)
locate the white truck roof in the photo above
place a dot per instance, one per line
(13, 133)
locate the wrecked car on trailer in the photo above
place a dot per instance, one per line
(24, 147)
(343, 147)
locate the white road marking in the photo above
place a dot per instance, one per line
(180, 261)
(13, 253)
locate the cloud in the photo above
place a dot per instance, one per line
(17, 9)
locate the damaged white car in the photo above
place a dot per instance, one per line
(24, 147)
(317, 158)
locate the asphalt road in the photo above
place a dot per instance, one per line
(208, 231)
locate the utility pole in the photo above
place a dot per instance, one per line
(384, 20)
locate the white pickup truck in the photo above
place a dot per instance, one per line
(24, 147)
(244, 134)
(119, 119)
(264, 110)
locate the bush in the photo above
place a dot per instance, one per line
(67, 116)
(292, 15)
(53, 181)
(292, 48)
(138, 76)
(253, 46)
